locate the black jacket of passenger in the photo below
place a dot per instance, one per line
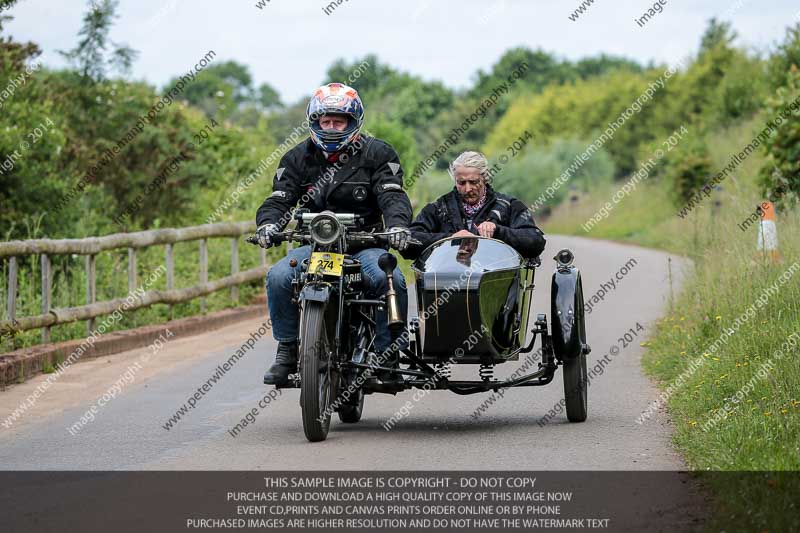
(514, 224)
(367, 180)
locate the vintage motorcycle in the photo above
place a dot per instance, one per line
(473, 301)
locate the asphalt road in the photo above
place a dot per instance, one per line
(438, 433)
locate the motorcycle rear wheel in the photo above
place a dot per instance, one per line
(350, 414)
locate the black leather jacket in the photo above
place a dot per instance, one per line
(514, 224)
(366, 180)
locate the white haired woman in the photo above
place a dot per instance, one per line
(474, 208)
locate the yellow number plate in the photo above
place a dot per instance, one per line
(326, 263)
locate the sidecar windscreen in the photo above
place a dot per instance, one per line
(462, 253)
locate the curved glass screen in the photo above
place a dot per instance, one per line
(461, 253)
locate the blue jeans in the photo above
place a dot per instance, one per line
(286, 317)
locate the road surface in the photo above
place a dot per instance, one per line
(440, 431)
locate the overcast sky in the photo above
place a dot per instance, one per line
(290, 43)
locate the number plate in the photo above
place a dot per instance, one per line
(326, 263)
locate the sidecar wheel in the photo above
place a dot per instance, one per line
(350, 414)
(316, 375)
(576, 379)
(576, 385)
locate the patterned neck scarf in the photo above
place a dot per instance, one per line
(472, 210)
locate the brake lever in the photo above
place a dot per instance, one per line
(386, 234)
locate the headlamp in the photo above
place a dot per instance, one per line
(325, 229)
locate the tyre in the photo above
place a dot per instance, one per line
(351, 413)
(576, 380)
(576, 385)
(315, 372)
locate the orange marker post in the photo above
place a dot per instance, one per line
(768, 233)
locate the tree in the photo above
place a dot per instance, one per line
(786, 56)
(268, 97)
(780, 175)
(92, 57)
(717, 34)
(536, 70)
(597, 66)
(237, 77)
(371, 73)
(689, 168)
(223, 90)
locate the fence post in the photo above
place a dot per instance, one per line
(262, 254)
(91, 286)
(235, 268)
(170, 273)
(131, 270)
(11, 303)
(203, 270)
(46, 289)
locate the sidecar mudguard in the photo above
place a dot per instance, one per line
(568, 326)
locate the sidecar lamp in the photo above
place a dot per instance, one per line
(564, 258)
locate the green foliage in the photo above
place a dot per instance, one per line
(781, 173)
(597, 66)
(268, 97)
(373, 75)
(93, 55)
(718, 34)
(721, 86)
(78, 138)
(584, 110)
(400, 137)
(527, 176)
(786, 58)
(689, 168)
(745, 383)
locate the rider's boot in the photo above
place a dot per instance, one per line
(391, 359)
(285, 364)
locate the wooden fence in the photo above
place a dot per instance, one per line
(91, 246)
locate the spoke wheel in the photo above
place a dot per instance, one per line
(576, 380)
(315, 372)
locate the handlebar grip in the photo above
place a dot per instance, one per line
(275, 238)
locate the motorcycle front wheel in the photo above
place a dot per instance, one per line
(315, 373)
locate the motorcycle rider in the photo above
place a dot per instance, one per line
(474, 208)
(341, 170)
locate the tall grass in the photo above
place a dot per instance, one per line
(760, 429)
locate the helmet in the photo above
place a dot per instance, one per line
(340, 99)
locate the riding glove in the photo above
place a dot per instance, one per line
(264, 234)
(398, 237)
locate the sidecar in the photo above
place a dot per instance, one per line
(474, 299)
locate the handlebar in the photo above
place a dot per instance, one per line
(361, 237)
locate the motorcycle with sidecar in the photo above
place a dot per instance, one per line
(473, 299)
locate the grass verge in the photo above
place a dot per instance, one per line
(737, 414)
